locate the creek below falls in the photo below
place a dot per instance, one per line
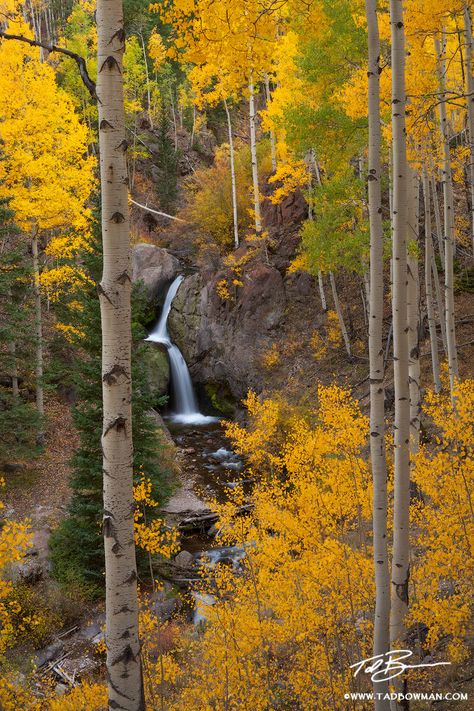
(209, 467)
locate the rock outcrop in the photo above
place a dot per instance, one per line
(219, 339)
(156, 267)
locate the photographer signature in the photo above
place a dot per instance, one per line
(387, 666)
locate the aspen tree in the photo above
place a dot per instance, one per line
(314, 166)
(123, 647)
(429, 284)
(272, 132)
(470, 108)
(401, 505)
(437, 214)
(232, 175)
(439, 299)
(253, 154)
(413, 310)
(340, 316)
(377, 389)
(448, 222)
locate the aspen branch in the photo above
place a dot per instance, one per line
(157, 212)
(80, 61)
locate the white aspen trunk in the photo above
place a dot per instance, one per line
(272, 133)
(232, 175)
(448, 224)
(191, 140)
(381, 643)
(148, 90)
(253, 153)
(401, 504)
(38, 329)
(413, 313)
(322, 294)
(437, 214)
(366, 278)
(123, 647)
(317, 173)
(340, 316)
(439, 302)
(429, 285)
(470, 108)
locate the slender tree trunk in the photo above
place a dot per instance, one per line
(232, 175)
(175, 125)
(470, 109)
(193, 129)
(340, 316)
(317, 172)
(429, 285)
(148, 91)
(376, 362)
(448, 224)
(38, 329)
(253, 153)
(322, 294)
(272, 133)
(123, 647)
(13, 357)
(413, 312)
(440, 304)
(439, 227)
(401, 504)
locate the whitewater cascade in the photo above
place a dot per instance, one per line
(187, 410)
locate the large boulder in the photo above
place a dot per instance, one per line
(156, 267)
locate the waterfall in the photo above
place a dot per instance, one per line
(187, 410)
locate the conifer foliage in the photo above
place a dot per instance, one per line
(77, 545)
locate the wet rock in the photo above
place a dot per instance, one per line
(156, 267)
(163, 605)
(220, 340)
(157, 369)
(184, 559)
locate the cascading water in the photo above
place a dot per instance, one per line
(187, 410)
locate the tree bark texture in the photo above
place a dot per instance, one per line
(232, 175)
(401, 505)
(376, 360)
(448, 202)
(429, 285)
(123, 647)
(253, 153)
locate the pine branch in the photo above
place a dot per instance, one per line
(80, 61)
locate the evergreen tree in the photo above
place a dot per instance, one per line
(77, 545)
(19, 420)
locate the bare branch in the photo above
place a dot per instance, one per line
(80, 61)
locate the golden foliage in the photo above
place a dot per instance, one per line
(443, 574)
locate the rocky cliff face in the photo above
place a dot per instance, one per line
(221, 340)
(156, 267)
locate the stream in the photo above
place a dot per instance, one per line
(209, 466)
